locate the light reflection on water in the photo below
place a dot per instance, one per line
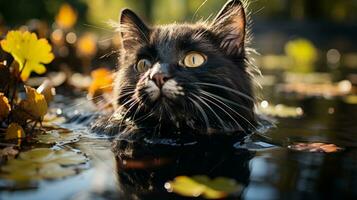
(266, 172)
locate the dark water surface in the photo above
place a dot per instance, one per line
(264, 167)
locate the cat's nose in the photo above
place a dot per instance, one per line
(159, 79)
(160, 74)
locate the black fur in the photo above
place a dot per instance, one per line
(225, 74)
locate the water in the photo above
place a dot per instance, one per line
(264, 167)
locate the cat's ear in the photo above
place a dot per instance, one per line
(230, 27)
(133, 30)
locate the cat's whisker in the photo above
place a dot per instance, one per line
(226, 88)
(140, 105)
(109, 54)
(225, 111)
(223, 99)
(202, 4)
(240, 115)
(211, 109)
(127, 111)
(201, 110)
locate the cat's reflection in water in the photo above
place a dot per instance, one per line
(143, 175)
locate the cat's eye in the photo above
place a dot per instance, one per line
(143, 65)
(194, 59)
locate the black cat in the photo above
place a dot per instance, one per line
(184, 79)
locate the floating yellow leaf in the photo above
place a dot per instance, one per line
(35, 104)
(42, 163)
(14, 131)
(29, 51)
(5, 107)
(195, 186)
(102, 82)
(66, 16)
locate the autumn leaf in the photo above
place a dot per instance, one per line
(315, 147)
(29, 51)
(14, 131)
(66, 17)
(35, 104)
(102, 82)
(201, 185)
(5, 107)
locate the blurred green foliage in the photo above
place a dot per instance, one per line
(302, 55)
(97, 12)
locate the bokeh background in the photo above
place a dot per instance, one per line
(301, 36)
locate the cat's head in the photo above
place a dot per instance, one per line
(192, 75)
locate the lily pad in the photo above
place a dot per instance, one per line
(203, 186)
(42, 163)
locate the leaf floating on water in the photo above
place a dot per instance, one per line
(201, 185)
(42, 163)
(315, 147)
(14, 131)
(279, 110)
(54, 136)
(35, 104)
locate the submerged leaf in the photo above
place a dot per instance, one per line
(14, 131)
(35, 104)
(315, 147)
(201, 185)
